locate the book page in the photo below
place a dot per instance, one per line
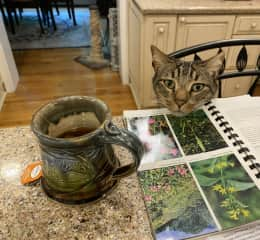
(199, 197)
(175, 205)
(249, 164)
(244, 113)
(188, 157)
(166, 137)
(231, 194)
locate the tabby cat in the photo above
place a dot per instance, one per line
(183, 86)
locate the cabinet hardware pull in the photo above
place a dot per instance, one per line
(182, 19)
(253, 25)
(161, 30)
(237, 86)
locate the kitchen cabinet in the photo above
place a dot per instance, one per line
(174, 30)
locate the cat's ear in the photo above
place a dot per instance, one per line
(159, 58)
(216, 64)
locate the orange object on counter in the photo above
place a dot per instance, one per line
(32, 172)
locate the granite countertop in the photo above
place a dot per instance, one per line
(198, 6)
(27, 213)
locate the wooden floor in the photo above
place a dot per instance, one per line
(52, 73)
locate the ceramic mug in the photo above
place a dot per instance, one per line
(75, 136)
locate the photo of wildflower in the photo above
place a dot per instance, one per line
(156, 136)
(231, 193)
(174, 203)
(196, 133)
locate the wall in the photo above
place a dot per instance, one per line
(8, 70)
(123, 45)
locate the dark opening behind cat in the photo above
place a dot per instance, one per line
(183, 86)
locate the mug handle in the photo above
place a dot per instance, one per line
(124, 138)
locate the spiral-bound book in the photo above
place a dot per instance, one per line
(199, 175)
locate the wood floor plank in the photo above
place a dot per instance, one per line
(52, 73)
(257, 91)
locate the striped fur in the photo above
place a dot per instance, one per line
(183, 86)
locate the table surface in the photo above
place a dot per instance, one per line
(27, 213)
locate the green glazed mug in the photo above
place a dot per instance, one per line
(75, 136)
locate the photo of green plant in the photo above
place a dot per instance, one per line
(174, 203)
(231, 193)
(156, 137)
(196, 133)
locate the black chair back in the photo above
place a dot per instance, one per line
(241, 61)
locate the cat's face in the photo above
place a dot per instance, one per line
(181, 86)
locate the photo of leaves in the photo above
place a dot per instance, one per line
(196, 133)
(156, 136)
(174, 203)
(232, 195)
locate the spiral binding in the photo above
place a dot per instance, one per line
(242, 149)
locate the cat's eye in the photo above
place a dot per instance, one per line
(169, 83)
(196, 87)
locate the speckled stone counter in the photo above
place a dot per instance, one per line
(198, 6)
(27, 213)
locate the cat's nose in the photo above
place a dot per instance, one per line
(181, 97)
(180, 102)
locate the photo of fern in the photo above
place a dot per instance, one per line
(156, 137)
(232, 195)
(174, 203)
(196, 133)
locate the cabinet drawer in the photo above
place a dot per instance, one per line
(247, 24)
(236, 86)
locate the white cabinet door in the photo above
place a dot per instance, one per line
(159, 31)
(192, 30)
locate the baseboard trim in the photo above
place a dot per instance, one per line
(2, 99)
